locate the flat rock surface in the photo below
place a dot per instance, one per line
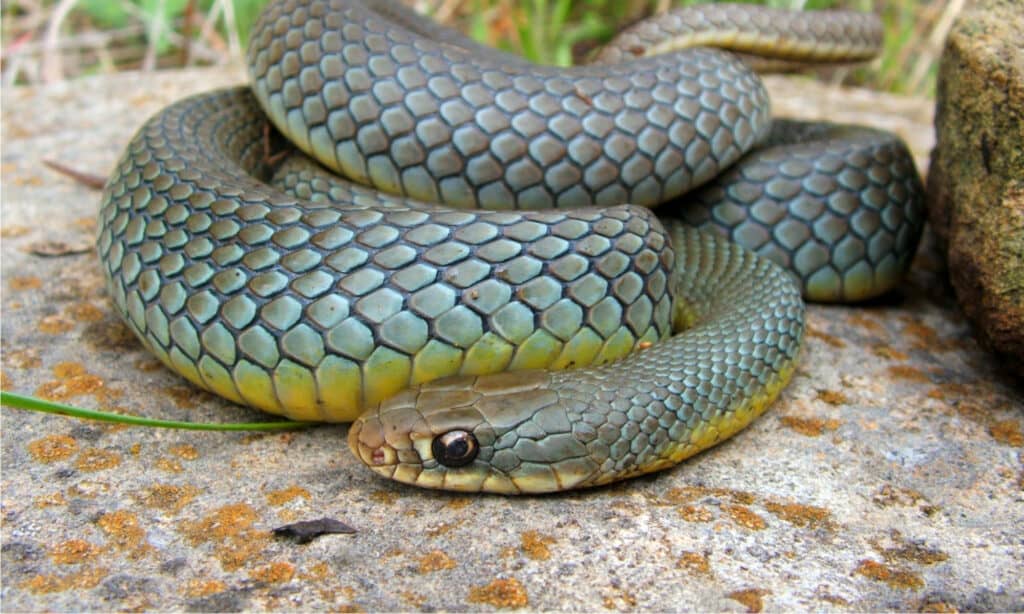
(889, 475)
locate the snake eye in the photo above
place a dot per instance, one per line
(455, 448)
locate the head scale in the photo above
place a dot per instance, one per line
(505, 433)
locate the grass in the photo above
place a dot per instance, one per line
(50, 40)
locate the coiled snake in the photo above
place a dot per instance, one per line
(448, 333)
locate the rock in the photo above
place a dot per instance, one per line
(976, 181)
(887, 476)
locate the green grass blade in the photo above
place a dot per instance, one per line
(18, 401)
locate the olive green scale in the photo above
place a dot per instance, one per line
(277, 285)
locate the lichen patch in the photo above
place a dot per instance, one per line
(535, 545)
(435, 560)
(501, 593)
(53, 448)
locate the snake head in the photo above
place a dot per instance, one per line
(506, 433)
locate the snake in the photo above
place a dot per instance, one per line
(457, 251)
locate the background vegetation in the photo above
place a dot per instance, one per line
(50, 40)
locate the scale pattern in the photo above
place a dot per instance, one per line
(543, 431)
(841, 207)
(410, 115)
(317, 312)
(318, 299)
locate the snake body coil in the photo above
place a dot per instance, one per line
(433, 327)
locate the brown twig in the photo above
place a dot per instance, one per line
(87, 179)
(270, 159)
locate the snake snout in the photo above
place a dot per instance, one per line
(365, 439)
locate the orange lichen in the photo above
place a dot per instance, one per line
(834, 599)
(896, 578)
(835, 342)
(889, 495)
(84, 579)
(316, 571)
(435, 560)
(183, 396)
(414, 599)
(224, 522)
(693, 513)
(535, 545)
(52, 448)
(202, 588)
(811, 427)
(55, 325)
(230, 527)
(280, 497)
(124, 532)
(274, 573)
(85, 312)
(750, 598)
(169, 465)
(742, 516)
(72, 381)
(88, 489)
(914, 553)
(696, 563)
(22, 359)
(168, 497)
(908, 373)
(1007, 432)
(868, 323)
(64, 370)
(833, 397)
(501, 593)
(384, 497)
(185, 451)
(287, 515)
(440, 529)
(924, 337)
(148, 365)
(689, 494)
(457, 503)
(26, 282)
(889, 353)
(51, 500)
(11, 231)
(73, 552)
(951, 391)
(97, 459)
(88, 224)
(801, 515)
(941, 607)
(628, 600)
(240, 549)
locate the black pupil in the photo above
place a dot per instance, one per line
(454, 448)
(457, 448)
